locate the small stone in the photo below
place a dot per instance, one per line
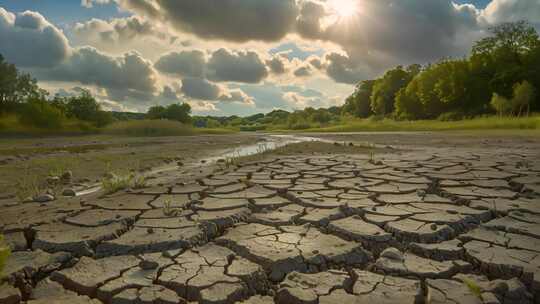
(180, 164)
(52, 180)
(148, 265)
(433, 227)
(392, 254)
(67, 176)
(69, 192)
(43, 198)
(150, 230)
(9, 294)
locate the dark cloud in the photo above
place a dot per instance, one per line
(302, 71)
(184, 64)
(342, 69)
(315, 62)
(168, 93)
(244, 67)
(127, 76)
(309, 21)
(29, 40)
(277, 65)
(198, 88)
(202, 89)
(222, 66)
(116, 31)
(233, 20)
(385, 33)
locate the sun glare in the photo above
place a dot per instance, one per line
(345, 8)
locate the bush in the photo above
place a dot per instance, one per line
(252, 128)
(451, 116)
(300, 126)
(178, 112)
(4, 254)
(500, 104)
(39, 113)
(149, 128)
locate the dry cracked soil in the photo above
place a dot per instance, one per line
(428, 224)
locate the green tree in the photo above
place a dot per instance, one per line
(516, 37)
(321, 116)
(385, 89)
(504, 54)
(359, 103)
(524, 94)
(500, 104)
(83, 107)
(178, 112)
(15, 88)
(39, 113)
(156, 112)
(298, 121)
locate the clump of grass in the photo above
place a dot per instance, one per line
(170, 211)
(117, 182)
(5, 251)
(473, 287)
(138, 182)
(230, 161)
(263, 148)
(27, 186)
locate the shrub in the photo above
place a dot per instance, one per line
(451, 116)
(500, 104)
(524, 94)
(252, 128)
(300, 126)
(39, 113)
(149, 128)
(5, 251)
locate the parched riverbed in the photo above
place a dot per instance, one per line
(337, 218)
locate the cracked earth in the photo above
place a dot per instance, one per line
(433, 225)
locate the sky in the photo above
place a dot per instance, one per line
(237, 57)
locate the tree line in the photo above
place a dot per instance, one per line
(499, 76)
(21, 96)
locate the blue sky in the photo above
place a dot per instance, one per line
(236, 56)
(63, 11)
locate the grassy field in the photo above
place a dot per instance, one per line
(157, 128)
(483, 123)
(10, 126)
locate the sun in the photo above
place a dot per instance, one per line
(344, 8)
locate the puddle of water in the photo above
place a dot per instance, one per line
(267, 143)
